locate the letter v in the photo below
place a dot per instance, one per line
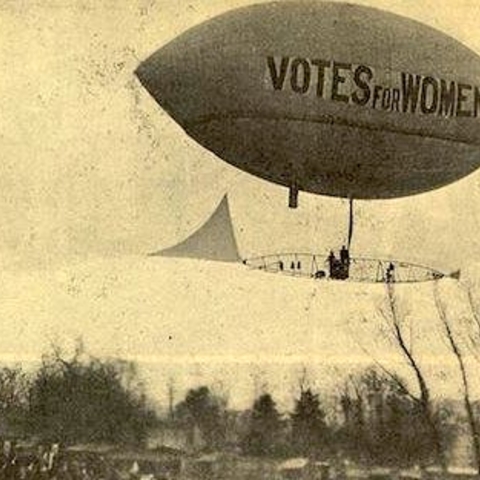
(278, 77)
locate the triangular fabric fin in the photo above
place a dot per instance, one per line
(214, 240)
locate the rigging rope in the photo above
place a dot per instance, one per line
(350, 224)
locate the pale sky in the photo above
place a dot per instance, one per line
(94, 175)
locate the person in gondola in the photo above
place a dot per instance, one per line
(331, 264)
(390, 273)
(344, 255)
(319, 274)
(345, 262)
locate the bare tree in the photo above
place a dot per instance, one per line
(352, 438)
(455, 346)
(382, 423)
(396, 323)
(474, 326)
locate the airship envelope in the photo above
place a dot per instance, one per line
(331, 98)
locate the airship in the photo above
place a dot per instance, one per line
(328, 98)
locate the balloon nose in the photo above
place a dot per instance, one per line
(153, 74)
(142, 72)
(171, 76)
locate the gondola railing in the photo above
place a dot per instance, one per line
(356, 269)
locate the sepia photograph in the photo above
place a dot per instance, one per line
(240, 240)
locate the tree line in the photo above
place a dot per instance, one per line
(376, 416)
(83, 399)
(75, 399)
(374, 422)
(383, 418)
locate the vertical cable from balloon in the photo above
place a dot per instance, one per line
(350, 223)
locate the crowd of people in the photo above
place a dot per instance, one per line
(49, 462)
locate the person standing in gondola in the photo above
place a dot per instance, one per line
(331, 264)
(345, 262)
(345, 255)
(390, 273)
